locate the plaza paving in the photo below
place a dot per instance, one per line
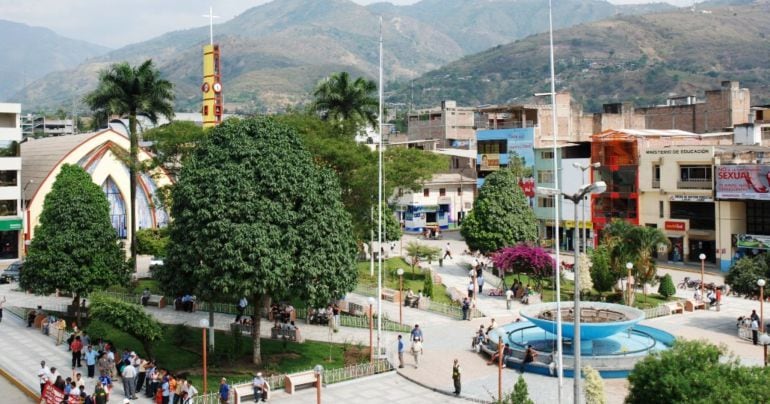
(445, 340)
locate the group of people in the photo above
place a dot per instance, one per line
(750, 322)
(417, 338)
(325, 316)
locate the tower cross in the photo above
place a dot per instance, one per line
(211, 17)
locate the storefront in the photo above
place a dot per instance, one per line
(10, 238)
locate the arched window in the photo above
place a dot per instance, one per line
(117, 207)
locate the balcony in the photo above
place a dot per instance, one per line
(694, 184)
(655, 184)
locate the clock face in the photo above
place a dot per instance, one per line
(205, 87)
(217, 87)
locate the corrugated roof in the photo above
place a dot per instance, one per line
(40, 156)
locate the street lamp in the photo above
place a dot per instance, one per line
(371, 321)
(702, 257)
(400, 273)
(586, 189)
(24, 221)
(761, 284)
(629, 267)
(318, 370)
(204, 323)
(583, 168)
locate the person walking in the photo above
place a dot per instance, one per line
(447, 251)
(456, 376)
(416, 334)
(241, 308)
(416, 352)
(224, 391)
(2, 303)
(470, 289)
(508, 298)
(44, 375)
(401, 350)
(77, 351)
(754, 330)
(466, 308)
(480, 282)
(91, 356)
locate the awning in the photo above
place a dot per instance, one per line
(11, 224)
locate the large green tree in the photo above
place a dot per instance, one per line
(745, 272)
(696, 372)
(350, 104)
(254, 216)
(131, 90)
(129, 318)
(75, 248)
(501, 215)
(171, 144)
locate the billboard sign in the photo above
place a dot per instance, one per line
(753, 241)
(747, 181)
(489, 162)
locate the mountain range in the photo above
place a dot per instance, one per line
(274, 54)
(640, 58)
(29, 53)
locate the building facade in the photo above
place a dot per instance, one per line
(450, 125)
(11, 185)
(442, 203)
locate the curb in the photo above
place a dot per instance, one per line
(444, 392)
(21, 386)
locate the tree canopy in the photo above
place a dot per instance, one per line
(127, 90)
(129, 318)
(255, 217)
(171, 144)
(351, 104)
(602, 277)
(745, 272)
(696, 372)
(525, 258)
(501, 215)
(75, 248)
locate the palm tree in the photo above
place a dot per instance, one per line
(645, 241)
(127, 90)
(349, 103)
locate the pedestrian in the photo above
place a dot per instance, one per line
(529, 357)
(77, 351)
(129, 378)
(258, 384)
(31, 316)
(466, 308)
(336, 315)
(416, 334)
(447, 251)
(44, 375)
(456, 376)
(480, 282)
(241, 308)
(401, 349)
(754, 330)
(416, 352)
(470, 289)
(508, 299)
(2, 303)
(100, 395)
(224, 391)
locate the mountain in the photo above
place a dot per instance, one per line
(627, 58)
(30, 53)
(274, 54)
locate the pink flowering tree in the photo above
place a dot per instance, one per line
(527, 259)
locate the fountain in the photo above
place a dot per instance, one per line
(612, 340)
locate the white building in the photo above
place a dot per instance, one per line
(11, 207)
(441, 203)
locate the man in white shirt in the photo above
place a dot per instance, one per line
(43, 375)
(260, 387)
(508, 298)
(129, 380)
(241, 308)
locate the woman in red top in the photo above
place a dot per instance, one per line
(77, 350)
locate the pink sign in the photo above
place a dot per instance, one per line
(747, 181)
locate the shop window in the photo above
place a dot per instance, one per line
(426, 192)
(9, 245)
(700, 214)
(8, 178)
(8, 207)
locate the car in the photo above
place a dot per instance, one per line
(13, 271)
(156, 261)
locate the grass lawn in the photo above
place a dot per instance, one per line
(412, 280)
(180, 352)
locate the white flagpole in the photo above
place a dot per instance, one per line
(555, 124)
(379, 208)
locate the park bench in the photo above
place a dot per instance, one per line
(692, 305)
(355, 309)
(281, 333)
(391, 295)
(245, 391)
(674, 307)
(157, 300)
(292, 381)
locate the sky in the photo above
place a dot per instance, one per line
(115, 23)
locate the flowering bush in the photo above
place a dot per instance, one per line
(525, 258)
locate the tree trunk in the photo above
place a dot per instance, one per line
(257, 353)
(76, 306)
(133, 156)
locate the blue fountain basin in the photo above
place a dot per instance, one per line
(588, 331)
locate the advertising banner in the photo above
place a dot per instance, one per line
(753, 241)
(490, 162)
(748, 181)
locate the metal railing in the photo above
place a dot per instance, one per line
(429, 305)
(657, 311)
(331, 376)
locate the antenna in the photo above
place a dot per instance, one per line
(211, 17)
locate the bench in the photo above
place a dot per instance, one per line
(292, 381)
(674, 307)
(355, 309)
(157, 300)
(692, 305)
(280, 333)
(391, 295)
(245, 391)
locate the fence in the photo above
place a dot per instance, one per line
(429, 305)
(657, 311)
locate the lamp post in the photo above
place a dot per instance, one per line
(586, 189)
(24, 221)
(702, 257)
(629, 266)
(318, 370)
(400, 273)
(500, 369)
(371, 322)
(204, 323)
(583, 168)
(761, 284)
